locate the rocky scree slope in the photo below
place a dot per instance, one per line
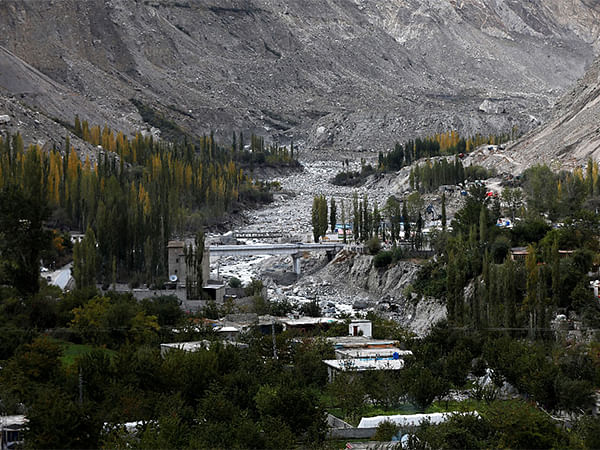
(353, 280)
(332, 73)
(573, 134)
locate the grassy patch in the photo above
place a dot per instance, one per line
(72, 351)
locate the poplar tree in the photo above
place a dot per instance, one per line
(451, 287)
(322, 215)
(357, 215)
(344, 220)
(332, 214)
(366, 222)
(510, 293)
(555, 259)
(85, 260)
(483, 224)
(376, 220)
(444, 211)
(319, 217)
(532, 286)
(78, 131)
(406, 221)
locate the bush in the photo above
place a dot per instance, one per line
(397, 254)
(374, 245)
(382, 259)
(311, 309)
(500, 248)
(235, 282)
(386, 430)
(253, 288)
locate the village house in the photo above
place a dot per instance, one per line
(359, 352)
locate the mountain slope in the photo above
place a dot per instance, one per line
(573, 134)
(334, 73)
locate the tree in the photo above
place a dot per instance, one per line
(78, 130)
(22, 236)
(414, 205)
(194, 257)
(344, 220)
(406, 221)
(419, 232)
(376, 221)
(510, 293)
(85, 260)
(332, 214)
(394, 214)
(356, 217)
(531, 301)
(423, 386)
(319, 217)
(483, 225)
(91, 320)
(56, 421)
(311, 309)
(348, 393)
(541, 186)
(444, 211)
(513, 200)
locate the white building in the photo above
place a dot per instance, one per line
(360, 328)
(335, 366)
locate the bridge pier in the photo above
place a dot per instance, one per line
(296, 263)
(330, 254)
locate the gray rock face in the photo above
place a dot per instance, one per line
(573, 134)
(353, 276)
(330, 73)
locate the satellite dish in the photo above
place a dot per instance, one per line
(173, 278)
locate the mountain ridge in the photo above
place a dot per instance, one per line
(340, 74)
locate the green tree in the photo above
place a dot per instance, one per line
(541, 187)
(406, 221)
(332, 214)
(483, 225)
(85, 261)
(513, 201)
(423, 386)
(319, 217)
(444, 211)
(194, 257)
(56, 421)
(23, 212)
(344, 221)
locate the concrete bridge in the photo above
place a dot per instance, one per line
(257, 234)
(296, 251)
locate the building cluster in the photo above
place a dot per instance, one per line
(355, 352)
(360, 352)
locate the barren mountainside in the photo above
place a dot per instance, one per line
(331, 73)
(573, 134)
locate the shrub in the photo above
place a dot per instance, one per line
(235, 282)
(374, 245)
(386, 430)
(382, 259)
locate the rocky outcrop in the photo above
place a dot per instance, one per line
(573, 135)
(567, 140)
(352, 279)
(349, 74)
